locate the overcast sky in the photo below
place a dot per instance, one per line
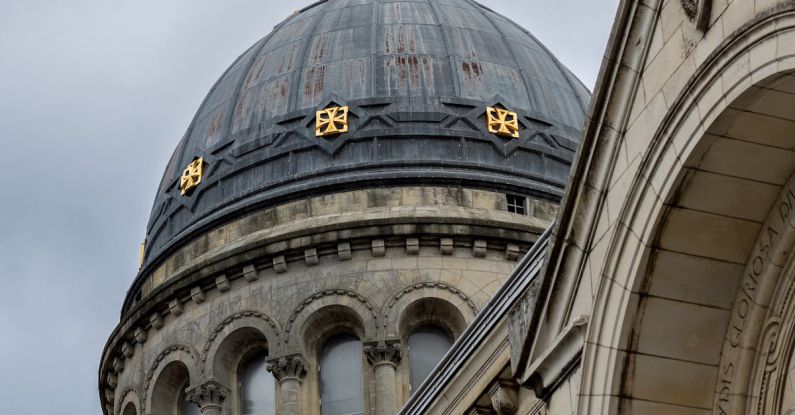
(94, 95)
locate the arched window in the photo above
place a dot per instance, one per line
(341, 385)
(257, 388)
(427, 346)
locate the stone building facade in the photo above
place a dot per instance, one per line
(666, 283)
(659, 282)
(351, 194)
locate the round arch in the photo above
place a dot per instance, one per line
(129, 403)
(169, 387)
(352, 308)
(432, 311)
(235, 332)
(173, 368)
(130, 409)
(680, 312)
(450, 301)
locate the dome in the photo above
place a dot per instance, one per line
(416, 77)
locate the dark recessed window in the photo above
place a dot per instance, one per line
(427, 347)
(517, 204)
(341, 385)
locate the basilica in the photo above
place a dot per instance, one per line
(412, 207)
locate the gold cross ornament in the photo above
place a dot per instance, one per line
(192, 175)
(331, 121)
(502, 122)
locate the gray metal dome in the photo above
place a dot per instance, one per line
(417, 77)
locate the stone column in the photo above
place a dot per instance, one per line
(289, 371)
(384, 357)
(209, 396)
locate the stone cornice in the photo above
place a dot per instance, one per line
(152, 312)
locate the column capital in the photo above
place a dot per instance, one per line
(208, 394)
(288, 367)
(383, 352)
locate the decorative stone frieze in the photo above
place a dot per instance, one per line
(118, 365)
(127, 350)
(310, 257)
(379, 249)
(512, 252)
(156, 320)
(412, 246)
(479, 248)
(112, 380)
(446, 245)
(209, 396)
(197, 295)
(344, 251)
(140, 335)
(279, 264)
(222, 283)
(383, 352)
(175, 307)
(288, 367)
(504, 398)
(250, 273)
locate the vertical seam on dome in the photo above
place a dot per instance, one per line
(565, 71)
(450, 53)
(485, 14)
(204, 102)
(374, 47)
(292, 105)
(238, 89)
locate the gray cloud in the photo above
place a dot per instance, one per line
(94, 95)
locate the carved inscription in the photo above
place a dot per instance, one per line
(769, 251)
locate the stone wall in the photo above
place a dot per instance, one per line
(355, 262)
(680, 184)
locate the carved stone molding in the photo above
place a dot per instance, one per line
(177, 348)
(288, 367)
(315, 297)
(162, 356)
(229, 320)
(123, 397)
(383, 352)
(388, 309)
(691, 8)
(208, 394)
(504, 398)
(698, 11)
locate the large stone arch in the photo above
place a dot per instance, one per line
(675, 272)
(173, 368)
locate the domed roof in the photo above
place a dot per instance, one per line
(417, 77)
